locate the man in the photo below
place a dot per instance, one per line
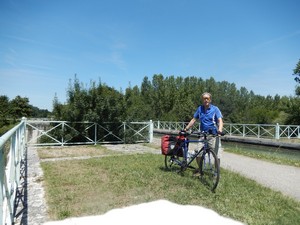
(211, 121)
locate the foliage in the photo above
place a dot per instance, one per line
(293, 109)
(39, 113)
(99, 103)
(170, 99)
(297, 72)
(19, 107)
(11, 111)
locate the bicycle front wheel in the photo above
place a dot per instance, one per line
(209, 169)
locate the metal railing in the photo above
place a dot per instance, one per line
(12, 155)
(71, 133)
(271, 131)
(13, 146)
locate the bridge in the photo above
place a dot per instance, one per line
(275, 135)
(32, 133)
(63, 133)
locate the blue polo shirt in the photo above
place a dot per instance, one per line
(209, 118)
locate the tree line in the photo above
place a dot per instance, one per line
(172, 99)
(162, 98)
(11, 111)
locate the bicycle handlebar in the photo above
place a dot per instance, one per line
(200, 133)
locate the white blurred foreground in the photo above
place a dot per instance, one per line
(156, 212)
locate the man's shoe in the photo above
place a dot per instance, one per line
(196, 173)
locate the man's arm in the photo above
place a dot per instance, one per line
(220, 124)
(191, 123)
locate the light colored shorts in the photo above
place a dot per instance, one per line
(215, 144)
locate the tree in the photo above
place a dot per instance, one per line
(136, 107)
(19, 107)
(158, 95)
(171, 99)
(4, 107)
(4, 113)
(293, 106)
(297, 72)
(297, 78)
(293, 109)
(58, 108)
(39, 113)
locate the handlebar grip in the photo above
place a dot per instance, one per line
(182, 133)
(221, 133)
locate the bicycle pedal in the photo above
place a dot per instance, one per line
(183, 163)
(180, 171)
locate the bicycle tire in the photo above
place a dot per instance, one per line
(209, 169)
(169, 161)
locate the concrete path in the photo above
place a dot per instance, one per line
(278, 177)
(32, 207)
(285, 179)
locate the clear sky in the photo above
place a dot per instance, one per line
(44, 43)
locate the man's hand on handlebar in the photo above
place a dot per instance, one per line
(221, 133)
(201, 133)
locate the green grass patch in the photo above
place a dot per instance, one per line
(94, 186)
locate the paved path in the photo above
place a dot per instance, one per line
(278, 177)
(285, 179)
(34, 209)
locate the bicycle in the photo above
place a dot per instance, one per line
(208, 165)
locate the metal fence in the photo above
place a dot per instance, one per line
(12, 156)
(271, 131)
(71, 133)
(13, 145)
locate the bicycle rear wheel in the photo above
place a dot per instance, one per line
(209, 169)
(170, 161)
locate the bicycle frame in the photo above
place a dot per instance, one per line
(185, 143)
(208, 164)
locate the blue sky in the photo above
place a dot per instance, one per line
(44, 43)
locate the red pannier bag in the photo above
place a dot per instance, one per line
(170, 143)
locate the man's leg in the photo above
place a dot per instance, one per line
(199, 146)
(218, 148)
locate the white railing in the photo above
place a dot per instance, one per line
(13, 146)
(12, 155)
(271, 131)
(71, 133)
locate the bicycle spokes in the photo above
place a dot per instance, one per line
(209, 170)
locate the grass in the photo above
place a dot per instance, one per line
(97, 185)
(271, 154)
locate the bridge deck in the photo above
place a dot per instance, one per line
(278, 177)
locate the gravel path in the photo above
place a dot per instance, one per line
(285, 179)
